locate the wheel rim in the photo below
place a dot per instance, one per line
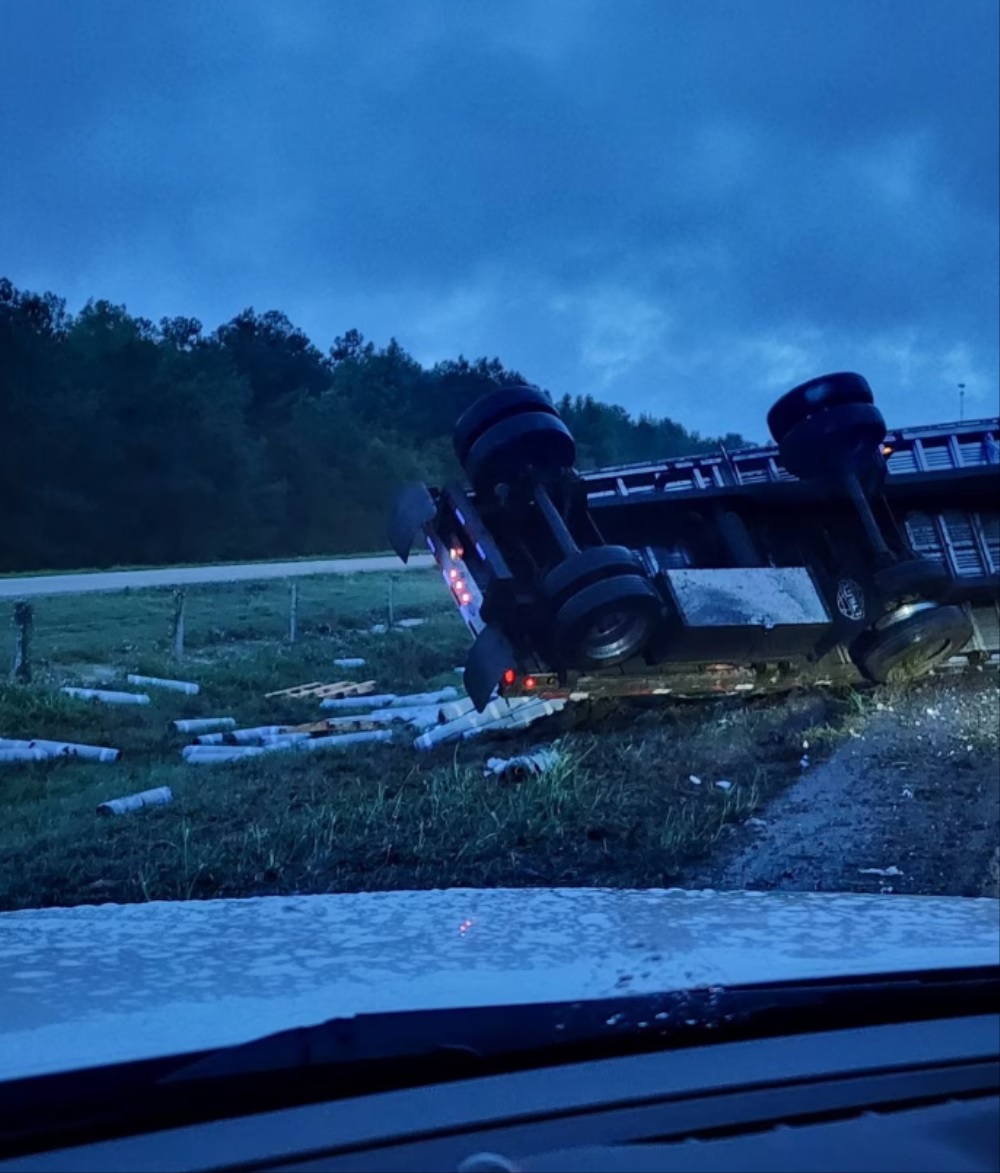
(614, 635)
(904, 612)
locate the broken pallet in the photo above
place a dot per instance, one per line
(322, 691)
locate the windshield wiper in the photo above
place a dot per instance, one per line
(368, 1053)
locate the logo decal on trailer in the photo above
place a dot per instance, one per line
(850, 599)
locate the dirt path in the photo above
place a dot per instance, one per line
(907, 803)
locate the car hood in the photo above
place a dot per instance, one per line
(88, 986)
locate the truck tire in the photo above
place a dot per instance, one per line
(491, 409)
(836, 440)
(912, 645)
(915, 578)
(819, 394)
(506, 450)
(588, 566)
(606, 623)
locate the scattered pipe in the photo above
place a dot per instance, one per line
(204, 724)
(413, 699)
(108, 698)
(340, 739)
(134, 802)
(206, 754)
(70, 749)
(62, 749)
(497, 715)
(349, 662)
(424, 715)
(280, 740)
(387, 700)
(22, 753)
(158, 682)
(242, 736)
(519, 720)
(357, 702)
(524, 765)
(457, 709)
(201, 754)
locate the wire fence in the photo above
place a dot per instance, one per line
(183, 622)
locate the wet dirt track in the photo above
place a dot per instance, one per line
(907, 802)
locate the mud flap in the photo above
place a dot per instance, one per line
(412, 509)
(489, 658)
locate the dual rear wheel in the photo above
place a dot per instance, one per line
(604, 607)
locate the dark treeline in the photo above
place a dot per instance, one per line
(123, 441)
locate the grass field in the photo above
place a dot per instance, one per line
(620, 810)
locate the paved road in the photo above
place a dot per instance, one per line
(117, 580)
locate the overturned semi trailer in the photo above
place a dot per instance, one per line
(843, 553)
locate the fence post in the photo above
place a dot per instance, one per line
(293, 612)
(23, 619)
(178, 623)
(393, 579)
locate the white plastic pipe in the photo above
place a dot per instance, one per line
(242, 736)
(349, 662)
(430, 713)
(22, 753)
(210, 749)
(342, 739)
(204, 724)
(358, 702)
(134, 802)
(106, 697)
(158, 682)
(493, 717)
(413, 699)
(519, 719)
(200, 754)
(458, 708)
(70, 749)
(524, 765)
(282, 740)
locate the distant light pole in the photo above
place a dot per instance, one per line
(961, 402)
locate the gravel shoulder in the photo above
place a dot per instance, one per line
(909, 802)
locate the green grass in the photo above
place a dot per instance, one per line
(132, 628)
(620, 810)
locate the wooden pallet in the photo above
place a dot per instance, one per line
(322, 691)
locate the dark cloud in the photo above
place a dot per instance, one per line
(682, 207)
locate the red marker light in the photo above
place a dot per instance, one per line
(509, 676)
(466, 598)
(453, 573)
(530, 682)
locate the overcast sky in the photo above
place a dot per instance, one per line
(682, 206)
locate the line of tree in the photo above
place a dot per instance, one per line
(128, 442)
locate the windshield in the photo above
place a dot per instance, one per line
(477, 482)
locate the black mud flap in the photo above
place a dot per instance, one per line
(412, 509)
(490, 657)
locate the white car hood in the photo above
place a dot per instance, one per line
(82, 987)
